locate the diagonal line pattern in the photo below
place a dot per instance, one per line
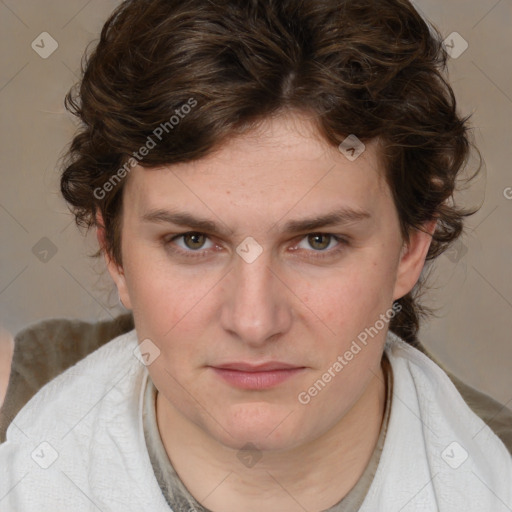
(492, 81)
(492, 286)
(485, 218)
(491, 491)
(13, 77)
(19, 428)
(281, 422)
(67, 225)
(99, 400)
(494, 416)
(13, 279)
(197, 302)
(215, 488)
(486, 14)
(75, 15)
(72, 72)
(19, 19)
(286, 491)
(86, 290)
(96, 506)
(417, 7)
(12, 488)
(407, 503)
(332, 332)
(13, 218)
(197, 401)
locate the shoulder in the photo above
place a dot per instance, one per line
(434, 437)
(69, 339)
(80, 386)
(81, 435)
(423, 365)
(443, 406)
(45, 349)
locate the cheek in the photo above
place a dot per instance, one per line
(351, 298)
(158, 295)
(171, 304)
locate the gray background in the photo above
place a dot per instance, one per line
(471, 286)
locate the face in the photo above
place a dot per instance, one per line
(262, 283)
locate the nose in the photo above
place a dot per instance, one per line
(256, 307)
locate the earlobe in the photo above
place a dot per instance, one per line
(412, 259)
(116, 272)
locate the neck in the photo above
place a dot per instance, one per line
(313, 476)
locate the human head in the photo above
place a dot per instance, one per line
(205, 71)
(252, 288)
(185, 103)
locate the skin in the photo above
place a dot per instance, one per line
(288, 305)
(6, 352)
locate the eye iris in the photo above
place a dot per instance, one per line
(316, 237)
(197, 240)
(194, 237)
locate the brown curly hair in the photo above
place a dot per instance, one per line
(373, 68)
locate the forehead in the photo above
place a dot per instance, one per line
(280, 166)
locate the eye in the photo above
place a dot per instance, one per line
(193, 244)
(192, 240)
(323, 243)
(319, 241)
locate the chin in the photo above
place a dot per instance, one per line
(258, 441)
(266, 427)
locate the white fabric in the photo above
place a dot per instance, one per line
(91, 415)
(421, 469)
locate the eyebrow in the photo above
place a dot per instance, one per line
(340, 216)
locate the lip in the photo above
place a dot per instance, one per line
(261, 367)
(256, 376)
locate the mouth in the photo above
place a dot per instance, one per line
(256, 377)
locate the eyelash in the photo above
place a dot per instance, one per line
(167, 242)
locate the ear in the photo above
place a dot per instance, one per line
(412, 259)
(116, 271)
